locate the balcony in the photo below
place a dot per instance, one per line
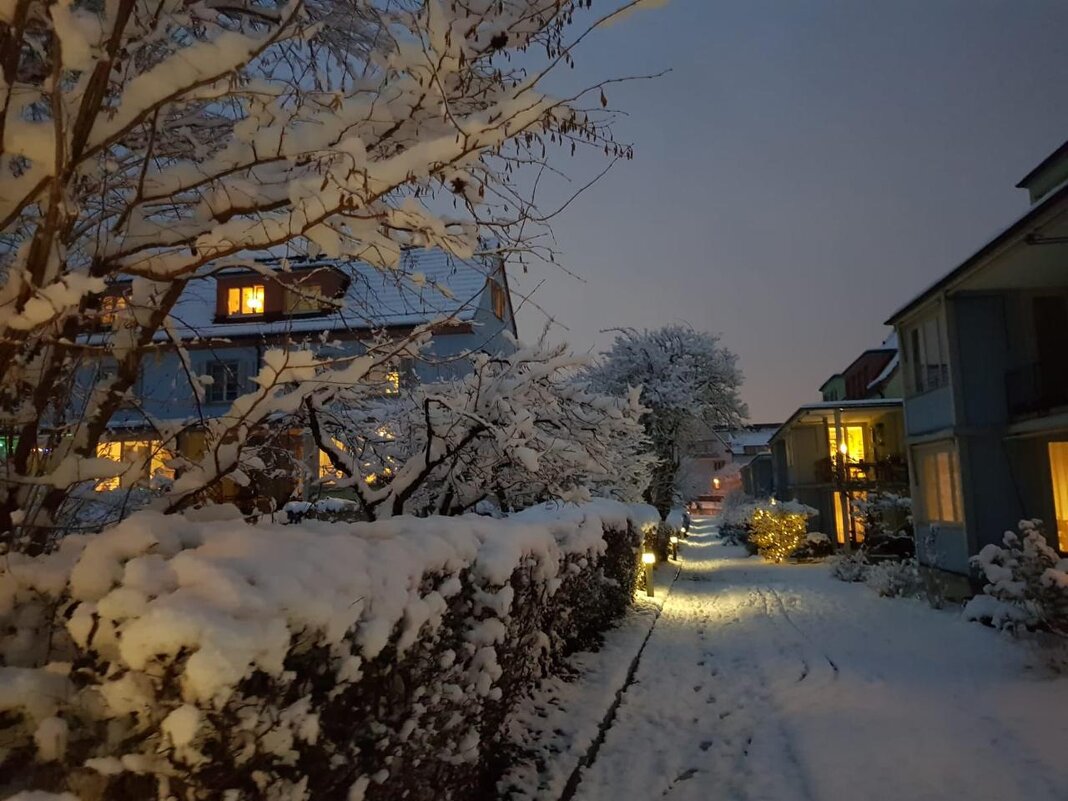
(891, 471)
(1036, 389)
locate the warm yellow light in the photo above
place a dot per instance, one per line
(843, 449)
(252, 299)
(648, 558)
(392, 382)
(715, 483)
(674, 540)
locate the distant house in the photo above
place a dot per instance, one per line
(227, 319)
(717, 457)
(985, 361)
(829, 453)
(850, 444)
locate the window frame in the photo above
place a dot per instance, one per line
(216, 391)
(925, 338)
(242, 290)
(930, 487)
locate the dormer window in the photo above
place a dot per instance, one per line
(110, 305)
(304, 299)
(245, 300)
(299, 293)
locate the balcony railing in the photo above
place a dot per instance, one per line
(889, 471)
(1036, 388)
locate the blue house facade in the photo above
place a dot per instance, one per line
(228, 319)
(985, 361)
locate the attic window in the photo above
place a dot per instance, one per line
(498, 299)
(245, 300)
(305, 299)
(109, 306)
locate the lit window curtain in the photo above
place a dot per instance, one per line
(1058, 468)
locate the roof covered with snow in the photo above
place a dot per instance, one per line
(427, 285)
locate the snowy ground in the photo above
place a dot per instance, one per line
(779, 683)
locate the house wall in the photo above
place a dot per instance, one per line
(863, 371)
(164, 390)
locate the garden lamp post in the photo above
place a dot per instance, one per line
(674, 547)
(648, 560)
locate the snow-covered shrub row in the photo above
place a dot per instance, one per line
(172, 656)
(895, 579)
(1027, 583)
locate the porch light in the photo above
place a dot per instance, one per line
(715, 483)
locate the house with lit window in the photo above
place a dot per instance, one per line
(226, 319)
(984, 355)
(716, 456)
(830, 453)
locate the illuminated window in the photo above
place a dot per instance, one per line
(327, 471)
(1058, 469)
(225, 382)
(853, 440)
(146, 459)
(109, 306)
(242, 300)
(938, 479)
(392, 382)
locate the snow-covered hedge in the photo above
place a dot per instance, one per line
(179, 657)
(1027, 583)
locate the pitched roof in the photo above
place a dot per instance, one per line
(1048, 161)
(426, 286)
(1014, 231)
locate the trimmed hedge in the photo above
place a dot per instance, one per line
(394, 680)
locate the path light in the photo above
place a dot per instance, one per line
(674, 547)
(648, 560)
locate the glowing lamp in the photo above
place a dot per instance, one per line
(674, 540)
(648, 558)
(715, 483)
(843, 449)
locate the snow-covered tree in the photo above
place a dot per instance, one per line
(686, 377)
(157, 142)
(517, 430)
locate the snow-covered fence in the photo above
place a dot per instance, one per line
(172, 656)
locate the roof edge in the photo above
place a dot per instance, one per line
(1014, 231)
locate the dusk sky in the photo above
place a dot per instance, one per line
(805, 169)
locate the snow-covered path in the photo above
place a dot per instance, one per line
(780, 683)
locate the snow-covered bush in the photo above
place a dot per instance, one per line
(816, 545)
(733, 518)
(895, 579)
(517, 430)
(1027, 583)
(850, 567)
(176, 656)
(887, 520)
